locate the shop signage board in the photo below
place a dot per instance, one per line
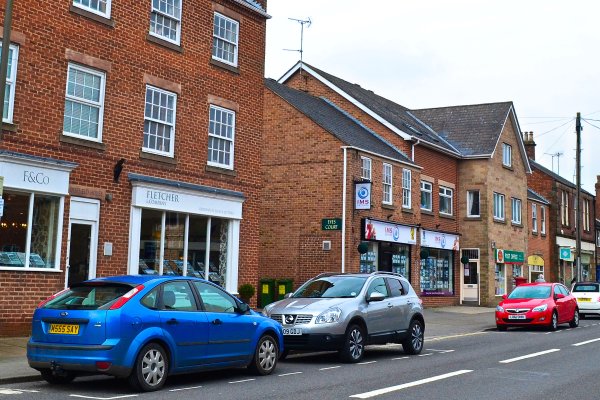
(509, 256)
(388, 232)
(34, 178)
(331, 224)
(439, 240)
(1, 206)
(362, 196)
(565, 253)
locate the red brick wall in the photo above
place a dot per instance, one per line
(540, 244)
(38, 114)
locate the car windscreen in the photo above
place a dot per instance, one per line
(88, 296)
(331, 287)
(586, 287)
(530, 292)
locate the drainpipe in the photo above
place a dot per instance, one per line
(344, 210)
(412, 148)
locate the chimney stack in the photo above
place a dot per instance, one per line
(529, 145)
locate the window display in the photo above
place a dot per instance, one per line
(500, 280)
(368, 260)
(437, 277)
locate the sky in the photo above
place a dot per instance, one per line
(544, 56)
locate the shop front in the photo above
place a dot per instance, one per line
(179, 228)
(536, 267)
(508, 266)
(567, 267)
(33, 193)
(388, 247)
(437, 255)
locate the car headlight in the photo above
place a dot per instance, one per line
(499, 308)
(267, 310)
(329, 316)
(543, 307)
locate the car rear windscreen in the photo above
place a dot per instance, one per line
(88, 297)
(586, 287)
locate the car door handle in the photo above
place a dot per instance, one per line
(217, 322)
(172, 321)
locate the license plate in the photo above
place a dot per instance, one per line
(64, 329)
(583, 299)
(516, 317)
(292, 331)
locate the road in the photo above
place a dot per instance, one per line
(518, 364)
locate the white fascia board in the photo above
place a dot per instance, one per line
(520, 139)
(383, 157)
(252, 8)
(345, 95)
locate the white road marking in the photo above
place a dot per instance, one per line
(103, 398)
(436, 338)
(440, 351)
(366, 362)
(244, 380)
(390, 389)
(540, 353)
(400, 358)
(425, 355)
(586, 342)
(2, 391)
(10, 391)
(325, 369)
(186, 388)
(290, 373)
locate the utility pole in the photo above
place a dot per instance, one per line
(578, 211)
(4, 58)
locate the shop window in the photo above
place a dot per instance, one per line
(535, 271)
(437, 272)
(217, 262)
(196, 256)
(174, 241)
(500, 280)
(368, 260)
(517, 270)
(393, 257)
(15, 230)
(150, 233)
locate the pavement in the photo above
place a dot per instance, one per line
(440, 323)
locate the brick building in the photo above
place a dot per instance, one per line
(126, 148)
(539, 245)
(562, 232)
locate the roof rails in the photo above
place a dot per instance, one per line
(326, 274)
(387, 273)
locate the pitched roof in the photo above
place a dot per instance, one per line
(337, 122)
(473, 129)
(396, 115)
(532, 195)
(555, 176)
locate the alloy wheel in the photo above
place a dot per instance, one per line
(417, 337)
(356, 343)
(267, 355)
(153, 367)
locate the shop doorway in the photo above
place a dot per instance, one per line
(394, 257)
(82, 240)
(470, 276)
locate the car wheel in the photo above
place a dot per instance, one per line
(502, 328)
(150, 369)
(554, 321)
(354, 344)
(265, 356)
(574, 323)
(60, 379)
(413, 344)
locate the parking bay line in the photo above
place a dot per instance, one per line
(244, 380)
(185, 388)
(291, 373)
(390, 389)
(103, 398)
(540, 353)
(586, 342)
(325, 369)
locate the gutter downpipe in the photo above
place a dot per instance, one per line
(344, 210)
(413, 148)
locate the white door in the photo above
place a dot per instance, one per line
(470, 276)
(82, 240)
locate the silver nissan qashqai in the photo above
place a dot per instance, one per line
(346, 312)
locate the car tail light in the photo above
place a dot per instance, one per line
(102, 365)
(126, 297)
(52, 297)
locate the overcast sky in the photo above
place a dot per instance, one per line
(544, 56)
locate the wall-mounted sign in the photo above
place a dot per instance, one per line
(331, 224)
(566, 254)
(439, 240)
(362, 196)
(388, 232)
(509, 256)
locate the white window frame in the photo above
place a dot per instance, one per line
(429, 193)
(232, 140)
(78, 4)
(406, 188)
(506, 155)
(177, 18)
(99, 104)
(171, 152)
(470, 196)
(534, 218)
(387, 178)
(365, 171)
(515, 212)
(543, 220)
(448, 193)
(219, 38)
(499, 210)
(11, 82)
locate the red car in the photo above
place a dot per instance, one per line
(538, 304)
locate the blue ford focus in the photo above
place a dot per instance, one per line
(146, 328)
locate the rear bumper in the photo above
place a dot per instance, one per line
(75, 358)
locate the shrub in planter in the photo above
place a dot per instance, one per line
(246, 291)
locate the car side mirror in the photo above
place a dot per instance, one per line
(287, 295)
(376, 296)
(243, 308)
(504, 296)
(559, 296)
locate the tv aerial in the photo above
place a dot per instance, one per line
(302, 22)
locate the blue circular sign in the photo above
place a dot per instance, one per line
(363, 193)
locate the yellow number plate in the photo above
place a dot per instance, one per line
(583, 299)
(64, 329)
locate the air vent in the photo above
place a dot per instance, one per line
(326, 245)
